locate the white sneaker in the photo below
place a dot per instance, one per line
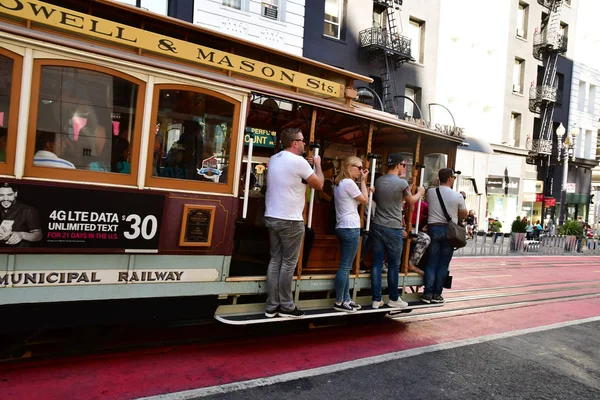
(397, 304)
(377, 304)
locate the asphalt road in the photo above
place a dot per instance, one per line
(555, 364)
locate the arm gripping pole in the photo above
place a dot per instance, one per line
(312, 196)
(248, 172)
(373, 168)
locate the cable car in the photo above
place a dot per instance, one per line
(135, 160)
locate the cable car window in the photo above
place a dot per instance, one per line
(193, 136)
(6, 72)
(433, 163)
(85, 120)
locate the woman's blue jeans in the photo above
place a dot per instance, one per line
(349, 238)
(390, 241)
(438, 259)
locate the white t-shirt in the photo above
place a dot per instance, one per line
(452, 200)
(43, 158)
(346, 211)
(285, 196)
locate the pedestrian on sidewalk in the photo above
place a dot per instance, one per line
(440, 250)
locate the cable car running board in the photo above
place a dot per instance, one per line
(260, 318)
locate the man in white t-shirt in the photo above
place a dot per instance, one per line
(287, 177)
(440, 251)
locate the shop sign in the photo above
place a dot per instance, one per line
(533, 197)
(571, 187)
(70, 218)
(262, 137)
(549, 202)
(495, 185)
(531, 186)
(106, 30)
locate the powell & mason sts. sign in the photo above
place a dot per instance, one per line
(80, 23)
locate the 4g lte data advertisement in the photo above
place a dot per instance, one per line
(58, 218)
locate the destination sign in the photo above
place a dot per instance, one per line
(84, 24)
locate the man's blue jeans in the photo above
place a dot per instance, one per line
(388, 240)
(285, 239)
(349, 239)
(439, 255)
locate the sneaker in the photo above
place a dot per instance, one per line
(397, 303)
(437, 298)
(272, 314)
(345, 307)
(355, 306)
(377, 304)
(427, 298)
(295, 313)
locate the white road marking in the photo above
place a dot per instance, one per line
(484, 276)
(328, 369)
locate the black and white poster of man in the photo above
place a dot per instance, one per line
(55, 217)
(20, 224)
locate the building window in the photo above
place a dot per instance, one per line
(581, 96)
(518, 72)
(416, 33)
(10, 73)
(237, 4)
(334, 17)
(195, 141)
(522, 18)
(379, 16)
(87, 123)
(157, 6)
(564, 29)
(413, 93)
(591, 99)
(270, 9)
(514, 130)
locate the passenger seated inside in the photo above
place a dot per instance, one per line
(45, 147)
(120, 156)
(421, 242)
(185, 155)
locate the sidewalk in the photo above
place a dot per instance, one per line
(503, 245)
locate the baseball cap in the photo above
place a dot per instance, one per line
(394, 159)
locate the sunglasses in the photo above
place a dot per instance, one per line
(299, 140)
(359, 167)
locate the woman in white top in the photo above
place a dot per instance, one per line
(347, 196)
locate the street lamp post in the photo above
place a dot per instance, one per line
(566, 149)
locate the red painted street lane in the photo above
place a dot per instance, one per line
(170, 369)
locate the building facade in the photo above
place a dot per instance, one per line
(584, 113)
(278, 24)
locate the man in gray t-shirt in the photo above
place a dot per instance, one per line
(387, 227)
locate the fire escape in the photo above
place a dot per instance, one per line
(548, 44)
(390, 48)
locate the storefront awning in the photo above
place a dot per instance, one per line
(475, 144)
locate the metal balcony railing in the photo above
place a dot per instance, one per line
(550, 4)
(539, 95)
(377, 38)
(540, 146)
(549, 42)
